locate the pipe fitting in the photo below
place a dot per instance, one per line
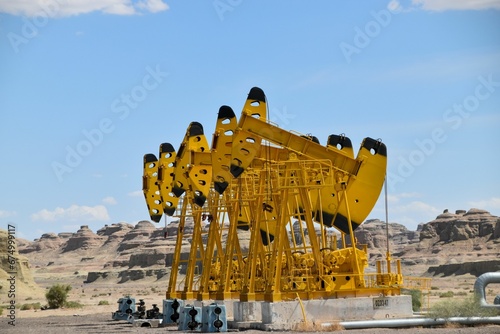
(480, 288)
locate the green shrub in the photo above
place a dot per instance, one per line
(72, 304)
(448, 294)
(30, 306)
(416, 298)
(103, 302)
(57, 295)
(25, 307)
(468, 307)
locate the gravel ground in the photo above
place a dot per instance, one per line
(102, 323)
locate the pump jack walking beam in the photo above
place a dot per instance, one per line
(364, 175)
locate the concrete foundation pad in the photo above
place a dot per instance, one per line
(287, 315)
(247, 312)
(243, 326)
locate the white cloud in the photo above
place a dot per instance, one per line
(492, 204)
(397, 197)
(413, 213)
(73, 213)
(443, 5)
(153, 6)
(109, 200)
(62, 8)
(403, 209)
(6, 214)
(137, 193)
(416, 207)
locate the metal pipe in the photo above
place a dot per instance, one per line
(386, 220)
(398, 323)
(480, 288)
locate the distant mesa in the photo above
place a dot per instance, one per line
(123, 252)
(83, 239)
(462, 225)
(25, 282)
(119, 228)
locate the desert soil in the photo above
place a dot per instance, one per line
(59, 321)
(94, 318)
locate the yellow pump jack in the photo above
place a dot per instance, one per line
(286, 193)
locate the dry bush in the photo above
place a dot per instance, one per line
(452, 325)
(468, 307)
(317, 327)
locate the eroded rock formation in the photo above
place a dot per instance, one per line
(451, 238)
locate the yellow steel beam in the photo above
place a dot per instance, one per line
(150, 187)
(340, 143)
(256, 129)
(174, 270)
(166, 171)
(196, 253)
(364, 175)
(245, 183)
(245, 147)
(200, 176)
(194, 140)
(222, 143)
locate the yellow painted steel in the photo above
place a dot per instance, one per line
(194, 141)
(222, 143)
(364, 175)
(245, 146)
(341, 143)
(200, 176)
(192, 173)
(150, 187)
(269, 198)
(166, 170)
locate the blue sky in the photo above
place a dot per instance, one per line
(88, 88)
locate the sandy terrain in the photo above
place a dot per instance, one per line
(51, 262)
(94, 318)
(58, 321)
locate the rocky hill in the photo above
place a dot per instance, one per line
(113, 250)
(469, 238)
(123, 252)
(374, 233)
(15, 275)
